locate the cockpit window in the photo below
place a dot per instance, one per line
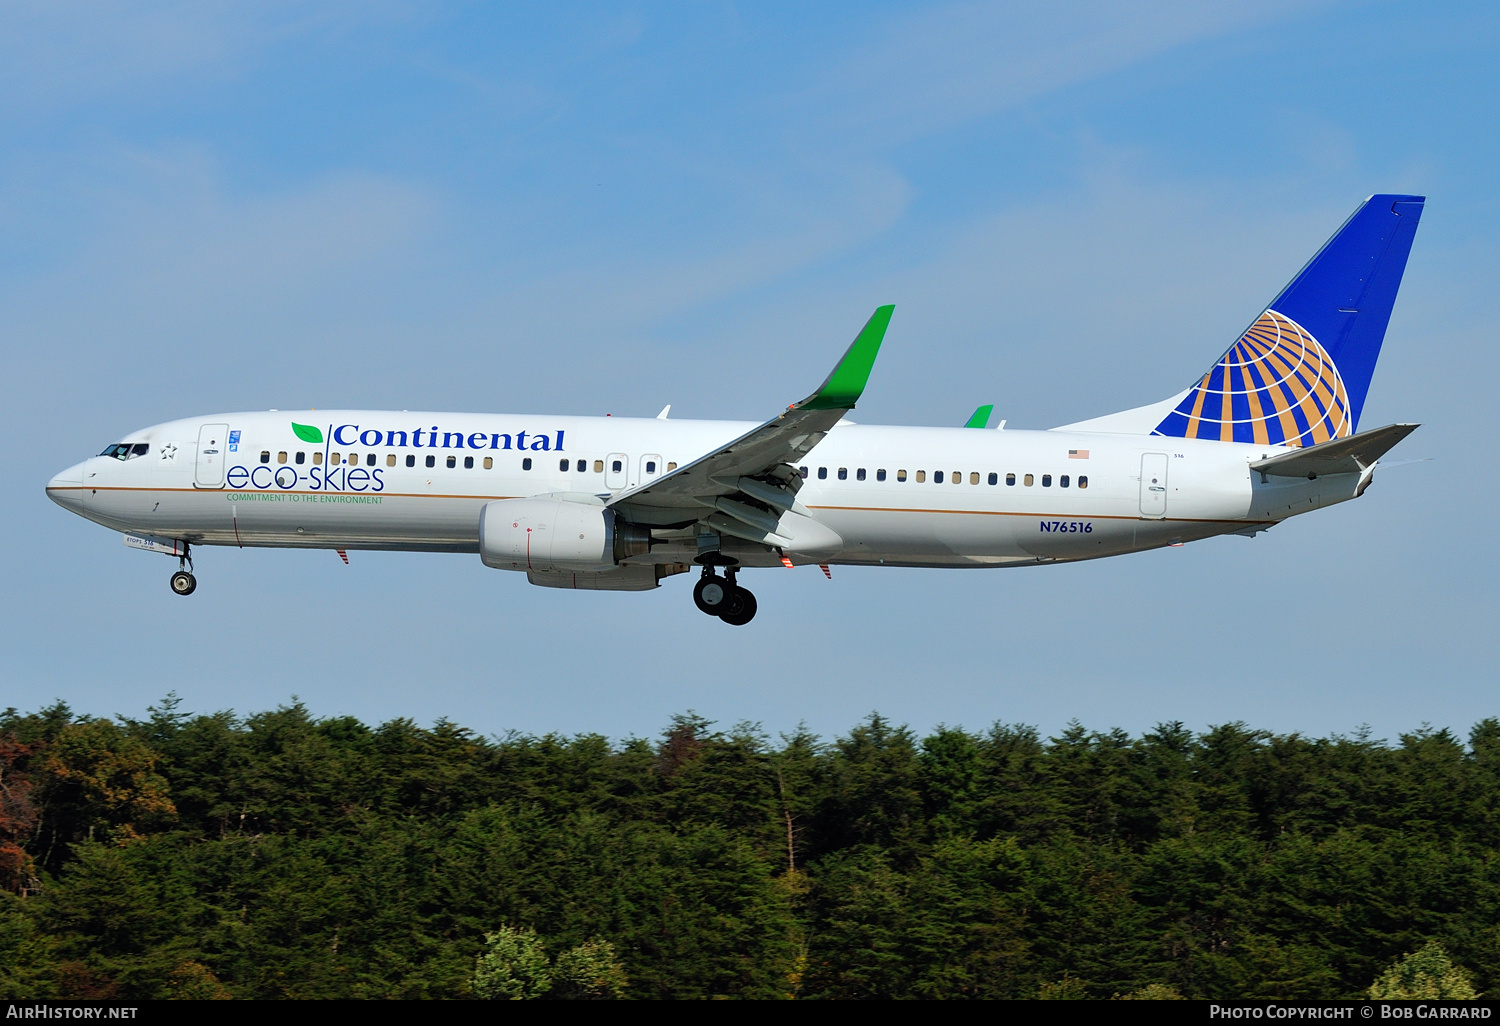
(126, 450)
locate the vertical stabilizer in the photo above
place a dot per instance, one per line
(1299, 375)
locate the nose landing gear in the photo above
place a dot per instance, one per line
(183, 581)
(722, 597)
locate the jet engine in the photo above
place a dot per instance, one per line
(556, 532)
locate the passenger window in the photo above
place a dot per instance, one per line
(650, 466)
(1046, 480)
(583, 465)
(452, 462)
(489, 462)
(822, 473)
(431, 461)
(390, 459)
(1083, 481)
(973, 477)
(843, 473)
(958, 477)
(900, 475)
(563, 465)
(937, 476)
(921, 476)
(880, 474)
(859, 475)
(1028, 480)
(1062, 482)
(673, 466)
(598, 466)
(301, 457)
(616, 466)
(1010, 480)
(994, 478)
(352, 459)
(281, 457)
(317, 459)
(526, 463)
(803, 472)
(468, 463)
(370, 459)
(411, 461)
(265, 457)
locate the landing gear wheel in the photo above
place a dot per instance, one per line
(183, 583)
(740, 609)
(711, 593)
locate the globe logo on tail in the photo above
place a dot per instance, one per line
(1276, 386)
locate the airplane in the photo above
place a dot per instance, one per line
(1269, 432)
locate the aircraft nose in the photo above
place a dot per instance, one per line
(66, 489)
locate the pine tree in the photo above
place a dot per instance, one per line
(1424, 975)
(514, 966)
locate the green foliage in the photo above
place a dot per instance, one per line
(1427, 974)
(1065, 989)
(1153, 992)
(591, 970)
(284, 856)
(514, 966)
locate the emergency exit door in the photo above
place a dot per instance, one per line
(616, 471)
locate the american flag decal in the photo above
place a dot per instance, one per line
(1078, 454)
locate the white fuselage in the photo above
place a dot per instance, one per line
(899, 496)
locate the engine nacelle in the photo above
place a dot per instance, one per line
(556, 533)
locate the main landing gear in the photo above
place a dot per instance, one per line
(722, 597)
(183, 581)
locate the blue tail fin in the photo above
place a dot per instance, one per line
(1300, 373)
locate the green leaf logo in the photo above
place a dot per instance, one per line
(307, 432)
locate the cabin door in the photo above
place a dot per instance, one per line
(1154, 485)
(212, 451)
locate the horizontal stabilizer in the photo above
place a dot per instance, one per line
(1340, 456)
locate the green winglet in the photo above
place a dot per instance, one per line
(981, 418)
(847, 382)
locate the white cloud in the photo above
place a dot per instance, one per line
(925, 73)
(57, 52)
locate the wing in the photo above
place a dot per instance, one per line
(1352, 455)
(746, 487)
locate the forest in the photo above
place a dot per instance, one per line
(281, 855)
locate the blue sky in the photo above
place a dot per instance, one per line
(1074, 207)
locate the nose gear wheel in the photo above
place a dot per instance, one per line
(183, 581)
